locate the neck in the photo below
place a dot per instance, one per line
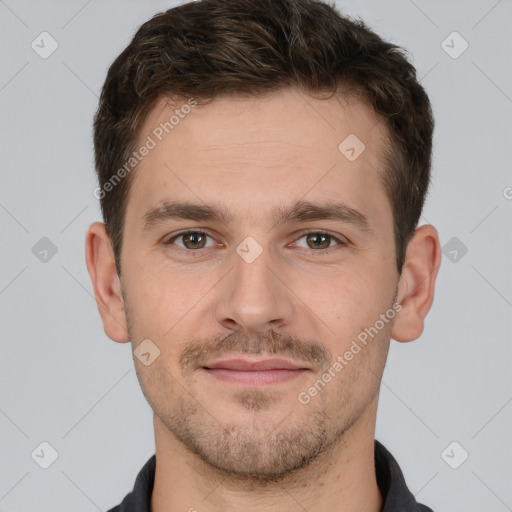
(342, 478)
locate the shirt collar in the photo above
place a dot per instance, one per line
(391, 482)
(395, 494)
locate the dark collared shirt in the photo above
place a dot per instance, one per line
(395, 494)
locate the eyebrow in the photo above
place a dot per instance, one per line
(298, 212)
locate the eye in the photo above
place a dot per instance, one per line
(320, 240)
(191, 240)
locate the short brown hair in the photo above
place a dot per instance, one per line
(216, 47)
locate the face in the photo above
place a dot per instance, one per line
(256, 253)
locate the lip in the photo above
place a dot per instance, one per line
(254, 366)
(254, 373)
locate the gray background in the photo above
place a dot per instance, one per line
(64, 382)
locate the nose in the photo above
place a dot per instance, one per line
(255, 297)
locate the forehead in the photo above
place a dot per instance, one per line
(255, 152)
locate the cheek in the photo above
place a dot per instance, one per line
(352, 299)
(158, 383)
(161, 295)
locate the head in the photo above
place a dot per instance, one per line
(262, 169)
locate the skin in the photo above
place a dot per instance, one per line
(221, 446)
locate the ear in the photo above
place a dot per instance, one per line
(101, 265)
(416, 285)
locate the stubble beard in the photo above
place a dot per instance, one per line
(257, 453)
(260, 453)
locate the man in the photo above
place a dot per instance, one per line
(262, 168)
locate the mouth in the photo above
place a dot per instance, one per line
(254, 373)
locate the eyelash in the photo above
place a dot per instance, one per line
(317, 252)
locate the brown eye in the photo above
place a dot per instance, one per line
(318, 240)
(196, 240)
(190, 240)
(321, 242)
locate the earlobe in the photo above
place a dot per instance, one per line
(107, 286)
(417, 282)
